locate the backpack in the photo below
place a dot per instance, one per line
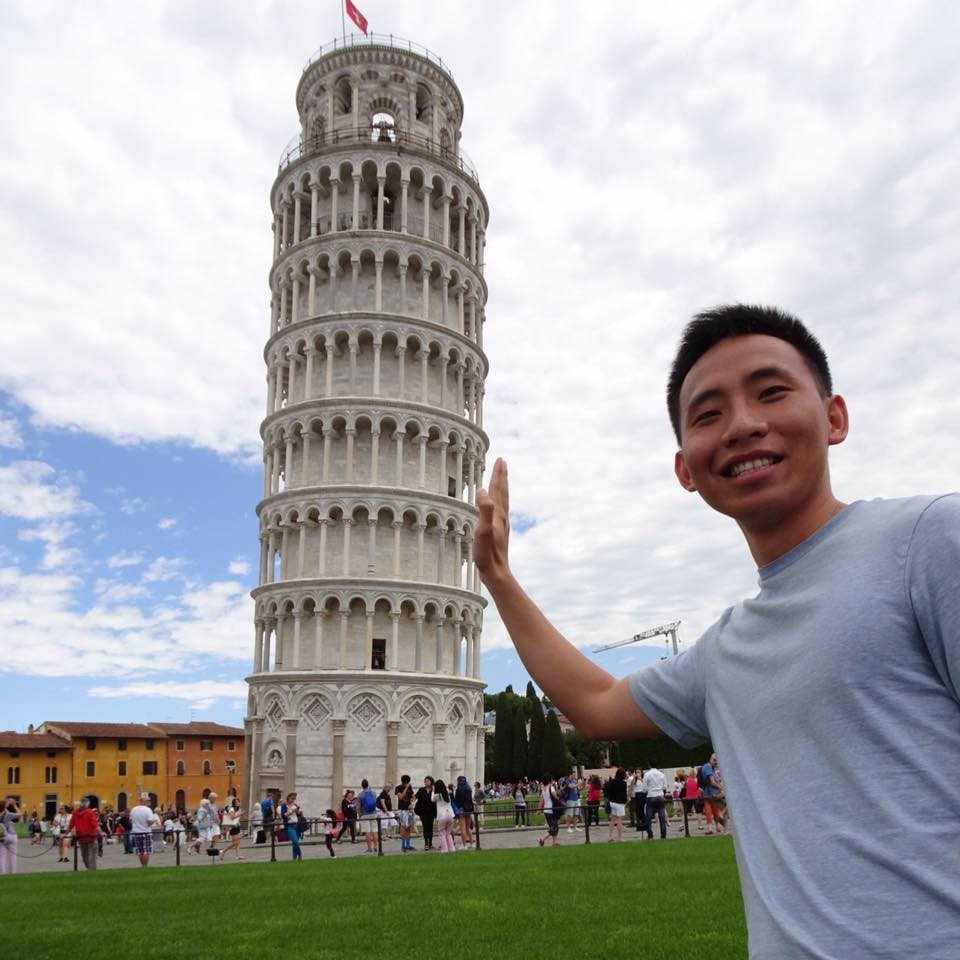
(701, 779)
(368, 802)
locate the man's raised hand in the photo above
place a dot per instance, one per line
(493, 532)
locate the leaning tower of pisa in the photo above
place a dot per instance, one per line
(368, 610)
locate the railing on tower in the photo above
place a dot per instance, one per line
(377, 40)
(302, 146)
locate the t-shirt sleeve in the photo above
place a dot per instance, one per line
(672, 694)
(933, 585)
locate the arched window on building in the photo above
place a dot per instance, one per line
(181, 768)
(13, 775)
(383, 128)
(207, 769)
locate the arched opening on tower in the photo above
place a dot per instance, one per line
(383, 128)
(343, 96)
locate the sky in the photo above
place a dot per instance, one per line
(641, 163)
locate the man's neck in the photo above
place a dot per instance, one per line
(769, 540)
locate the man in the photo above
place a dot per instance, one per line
(845, 664)
(85, 828)
(654, 786)
(368, 815)
(385, 811)
(142, 822)
(712, 794)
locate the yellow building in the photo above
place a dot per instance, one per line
(114, 762)
(37, 770)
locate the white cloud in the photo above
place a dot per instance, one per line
(132, 505)
(167, 523)
(29, 490)
(163, 569)
(238, 567)
(206, 692)
(10, 434)
(124, 559)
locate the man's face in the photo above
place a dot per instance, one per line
(755, 430)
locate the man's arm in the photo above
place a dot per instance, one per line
(599, 706)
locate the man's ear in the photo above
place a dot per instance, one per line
(838, 420)
(683, 474)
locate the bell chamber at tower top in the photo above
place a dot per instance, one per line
(375, 206)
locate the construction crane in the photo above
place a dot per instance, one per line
(669, 630)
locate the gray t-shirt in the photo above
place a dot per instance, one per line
(832, 702)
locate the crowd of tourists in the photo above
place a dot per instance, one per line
(442, 815)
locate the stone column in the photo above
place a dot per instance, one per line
(440, 746)
(404, 189)
(305, 462)
(278, 641)
(354, 283)
(425, 302)
(421, 527)
(319, 615)
(314, 205)
(371, 546)
(351, 435)
(347, 525)
(444, 298)
(398, 436)
(257, 644)
(439, 641)
(394, 662)
(397, 526)
(368, 646)
(284, 227)
(335, 196)
(297, 617)
(374, 457)
(322, 561)
(461, 230)
(476, 651)
(468, 667)
(337, 785)
(418, 648)
(402, 370)
(402, 270)
(356, 200)
(424, 376)
(377, 349)
(378, 296)
(312, 291)
(328, 372)
(301, 548)
(327, 454)
(308, 373)
(426, 212)
(296, 217)
(251, 751)
(393, 763)
(344, 619)
(470, 752)
(446, 221)
(422, 440)
(380, 198)
(442, 480)
(284, 551)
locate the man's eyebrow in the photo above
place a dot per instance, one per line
(714, 393)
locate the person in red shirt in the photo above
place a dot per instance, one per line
(85, 826)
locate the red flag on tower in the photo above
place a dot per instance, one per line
(356, 16)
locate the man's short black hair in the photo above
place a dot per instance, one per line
(707, 329)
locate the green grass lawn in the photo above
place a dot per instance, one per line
(653, 900)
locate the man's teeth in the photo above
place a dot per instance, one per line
(741, 468)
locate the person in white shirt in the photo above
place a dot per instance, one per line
(142, 822)
(654, 786)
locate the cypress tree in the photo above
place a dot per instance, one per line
(554, 751)
(535, 768)
(503, 739)
(519, 753)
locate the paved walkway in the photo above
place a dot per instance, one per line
(43, 858)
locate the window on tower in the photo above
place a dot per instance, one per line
(378, 658)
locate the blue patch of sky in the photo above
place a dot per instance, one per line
(521, 522)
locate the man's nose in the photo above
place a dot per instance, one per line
(747, 420)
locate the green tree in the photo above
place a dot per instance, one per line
(535, 768)
(554, 759)
(503, 739)
(518, 757)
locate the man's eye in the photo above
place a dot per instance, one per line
(769, 392)
(705, 416)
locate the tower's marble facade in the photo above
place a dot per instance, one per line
(368, 611)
